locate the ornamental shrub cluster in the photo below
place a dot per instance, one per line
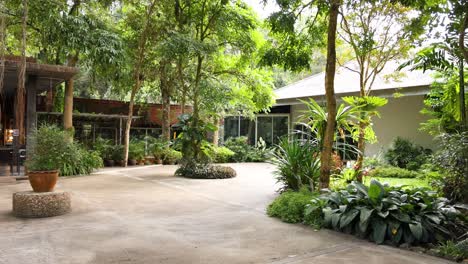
(243, 152)
(383, 213)
(393, 172)
(404, 154)
(205, 171)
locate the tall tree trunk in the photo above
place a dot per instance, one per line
(2, 47)
(137, 75)
(166, 103)
(327, 146)
(21, 91)
(462, 95)
(216, 132)
(68, 99)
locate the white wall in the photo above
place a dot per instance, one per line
(400, 117)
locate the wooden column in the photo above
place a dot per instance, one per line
(31, 114)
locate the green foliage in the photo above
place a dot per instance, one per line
(452, 159)
(220, 154)
(394, 172)
(192, 137)
(136, 149)
(104, 147)
(456, 251)
(297, 164)
(205, 171)
(399, 215)
(156, 146)
(118, 153)
(407, 155)
(243, 152)
(51, 149)
(170, 156)
(290, 205)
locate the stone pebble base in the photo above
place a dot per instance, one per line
(35, 205)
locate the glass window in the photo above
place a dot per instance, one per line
(231, 127)
(247, 129)
(265, 129)
(280, 128)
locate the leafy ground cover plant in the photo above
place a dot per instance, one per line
(290, 206)
(395, 214)
(297, 164)
(453, 250)
(243, 152)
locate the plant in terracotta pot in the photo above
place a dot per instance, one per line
(46, 147)
(118, 155)
(105, 149)
(157, 147)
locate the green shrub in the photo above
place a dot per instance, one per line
(221, 154)
(104, 147)
(393, 172)
(156, 146)
(297, 164)
(452, 160)
(51, 149)
(243, 152)
(394, 214)
(170, 156)
(205, 171)
(290, 205)
(136, 150)
(407, 155)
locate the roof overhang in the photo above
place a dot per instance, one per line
(385, 93)
(47, 76)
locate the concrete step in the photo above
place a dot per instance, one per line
(7, 180)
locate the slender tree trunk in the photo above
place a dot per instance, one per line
(166, 103)
(68, 100)
(138, 65)
(361, 147)
(462, 95)
(327, 146)
(2, 47)
(216, 132)
(21, 91)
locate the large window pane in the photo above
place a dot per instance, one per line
(231, 127)
(280, 128)
(265, 129)
(247, 129)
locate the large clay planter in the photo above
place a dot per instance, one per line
(109, 163)
(132, 162)
(43, 181)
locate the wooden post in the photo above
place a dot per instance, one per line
(31, 115)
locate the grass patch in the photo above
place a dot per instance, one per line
(416, 183)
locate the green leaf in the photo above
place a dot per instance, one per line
(348, 217)
(416, 230)
(335, 220)
(376, 190)
(364, 218)
(379, 229)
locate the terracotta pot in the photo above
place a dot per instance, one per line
(132, 162)
(141, 162)
(159, 161)
(43, 181)
(109, 163)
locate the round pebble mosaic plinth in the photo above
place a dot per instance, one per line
(41, 204)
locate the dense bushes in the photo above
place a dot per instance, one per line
(290, 206)
(382, 213)
(205, 171)
(243, 152)
(297, 164)
(51, 149)
(452, 160)
(407, 155)
(393, 172)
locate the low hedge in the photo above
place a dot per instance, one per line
(393, 172)
(206, 171)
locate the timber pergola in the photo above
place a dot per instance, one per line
(39, 78)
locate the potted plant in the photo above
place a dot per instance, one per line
(118, 155)
(46, 147)
(157, 147)
(105, 149)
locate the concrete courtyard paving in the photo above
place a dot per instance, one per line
(146, 215)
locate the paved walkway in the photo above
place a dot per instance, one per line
(146, 215)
